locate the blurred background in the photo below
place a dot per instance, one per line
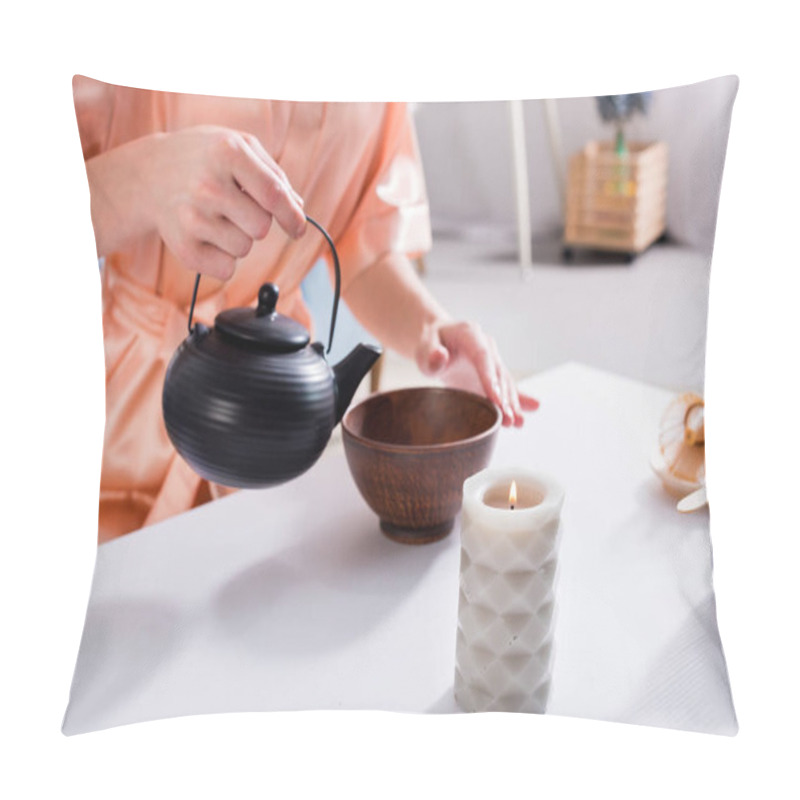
(500, 191)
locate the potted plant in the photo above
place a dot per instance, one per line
(618, 109)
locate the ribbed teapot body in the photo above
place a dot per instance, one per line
(245, 418)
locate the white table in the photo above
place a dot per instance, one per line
(291, 598)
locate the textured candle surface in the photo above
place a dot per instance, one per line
(507, 599)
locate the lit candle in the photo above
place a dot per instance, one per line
(510, 525)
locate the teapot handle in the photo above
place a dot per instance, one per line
(337, 270)
(336, 292)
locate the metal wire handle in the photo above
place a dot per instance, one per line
(336, 291)
(338, 284)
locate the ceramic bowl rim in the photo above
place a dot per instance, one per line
(442, 447)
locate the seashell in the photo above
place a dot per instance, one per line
(680, 460)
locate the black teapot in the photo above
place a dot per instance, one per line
(250, 402)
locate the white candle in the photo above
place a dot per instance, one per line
(504, 643)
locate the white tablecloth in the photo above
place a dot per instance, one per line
(291, 598)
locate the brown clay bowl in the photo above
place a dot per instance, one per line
(411, 450)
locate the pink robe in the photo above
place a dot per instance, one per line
(357, 167)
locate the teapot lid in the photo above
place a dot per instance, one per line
(262, 326)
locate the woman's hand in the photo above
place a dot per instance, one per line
(393, 304)
(466, 358)
(210, 193)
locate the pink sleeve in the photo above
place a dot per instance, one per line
(392, 215)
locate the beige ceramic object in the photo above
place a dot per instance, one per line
(680, 458)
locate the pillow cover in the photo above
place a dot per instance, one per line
(580, 242)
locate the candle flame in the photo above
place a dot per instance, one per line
(512, 494)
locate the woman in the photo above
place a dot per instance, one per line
(182, 184)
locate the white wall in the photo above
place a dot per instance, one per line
(467, 157)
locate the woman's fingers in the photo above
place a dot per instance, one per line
(201, 225)
(267, 187)
(466, 342)
(512, 414)
(468, 345)
(238, 207)
(527, 402)
(258, 148)
(199, 228)
(210, 260)
(478, 350)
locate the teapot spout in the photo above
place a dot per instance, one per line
(349, 372)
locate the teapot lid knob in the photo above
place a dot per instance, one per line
(267, 299)
(264, 327)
